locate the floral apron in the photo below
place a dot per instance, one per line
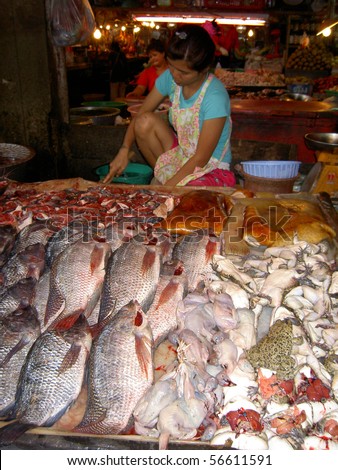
(186, 124)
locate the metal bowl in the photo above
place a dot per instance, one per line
(98, 115)
(93, 111)
(295, 97)
(79, 120)
(13, 154)
(326, 141)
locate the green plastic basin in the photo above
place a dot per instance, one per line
(135, 173)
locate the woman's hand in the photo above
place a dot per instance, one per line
(118, 165)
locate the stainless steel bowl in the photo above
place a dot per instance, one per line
(99, 116)
(295, 97)
(93, 111)
(326, 141)
(79, 120)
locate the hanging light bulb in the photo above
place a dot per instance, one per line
(250, 33)
(97, 34)
(327, 32)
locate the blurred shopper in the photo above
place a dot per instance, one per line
(119, 73)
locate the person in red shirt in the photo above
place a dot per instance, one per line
(157, 64)
(226, 42)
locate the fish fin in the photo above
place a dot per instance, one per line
(20, 345)
(70, 358)
(148, 260)
(55, 304)
(143, 347)
(65, 323)
(12, 431)
(163, 441)
(96, 258)
(167, 293)
(96, 329)
(211, 249)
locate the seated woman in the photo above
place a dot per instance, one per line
(157, 65)
(195, 147)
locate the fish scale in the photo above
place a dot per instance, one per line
(120, 371)
(171, 289)
(18, 331)
(196, 251)
(50, 380)
(76, 280)
(46, 389)
(132, 274)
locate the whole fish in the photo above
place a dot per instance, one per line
(196, 250)
(18, 332)
(132, 274)
(172, 287)
(7, 239)
(76, 279)
(37, 232)
(120, 371)
(51, 379)
(19, 295)
(29, 262)
(40, 298)
(64, 237)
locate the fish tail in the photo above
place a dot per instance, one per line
(12, 431)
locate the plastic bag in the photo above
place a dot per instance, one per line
(71, 21)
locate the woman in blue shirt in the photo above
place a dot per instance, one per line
(194, 147)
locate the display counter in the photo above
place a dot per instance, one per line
(280, 328)
(282, 121)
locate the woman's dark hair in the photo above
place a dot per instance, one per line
(156, 45)
(193, 44)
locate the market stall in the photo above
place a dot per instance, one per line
(244, 357)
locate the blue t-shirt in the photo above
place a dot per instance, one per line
(216, 103)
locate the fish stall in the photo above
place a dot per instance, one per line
(150, 317)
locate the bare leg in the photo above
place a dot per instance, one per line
(153, 136)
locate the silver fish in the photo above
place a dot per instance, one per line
(132, 274)
(172, 287)
(78, 229)
(76, 280)
(196, 250)
(29, 262)
(120, 371)
(7, 239)
(19, 295)
(40, 298)
(37, 232)
(18, 331)
(50, 380)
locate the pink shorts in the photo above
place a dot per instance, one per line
(175, 141)
(216, 177)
